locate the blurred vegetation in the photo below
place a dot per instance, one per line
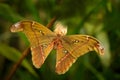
(99, 18)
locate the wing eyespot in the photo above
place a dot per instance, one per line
(75, 41)
(65, 51)
(40, 31)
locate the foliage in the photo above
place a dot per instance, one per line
(99, 18)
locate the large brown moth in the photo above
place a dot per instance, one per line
(43, 40)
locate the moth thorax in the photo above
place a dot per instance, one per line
(60, 29)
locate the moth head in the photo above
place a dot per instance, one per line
(16, 27)
(60, 29)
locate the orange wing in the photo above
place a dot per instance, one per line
(80, 44)
(64, 60)
(40, 39)
(72, 47)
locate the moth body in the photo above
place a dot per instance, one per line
(43, 40)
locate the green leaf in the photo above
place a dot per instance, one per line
(106, 58)
(92, 69)
(14, 55)
(11, 15)
(30, 6)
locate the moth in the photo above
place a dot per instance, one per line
(68, 48)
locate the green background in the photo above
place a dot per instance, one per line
(98, 18)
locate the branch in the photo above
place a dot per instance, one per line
(51, 22)
(15, 66)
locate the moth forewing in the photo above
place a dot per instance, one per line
(78, 45)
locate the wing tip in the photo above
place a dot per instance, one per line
(98, 48)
